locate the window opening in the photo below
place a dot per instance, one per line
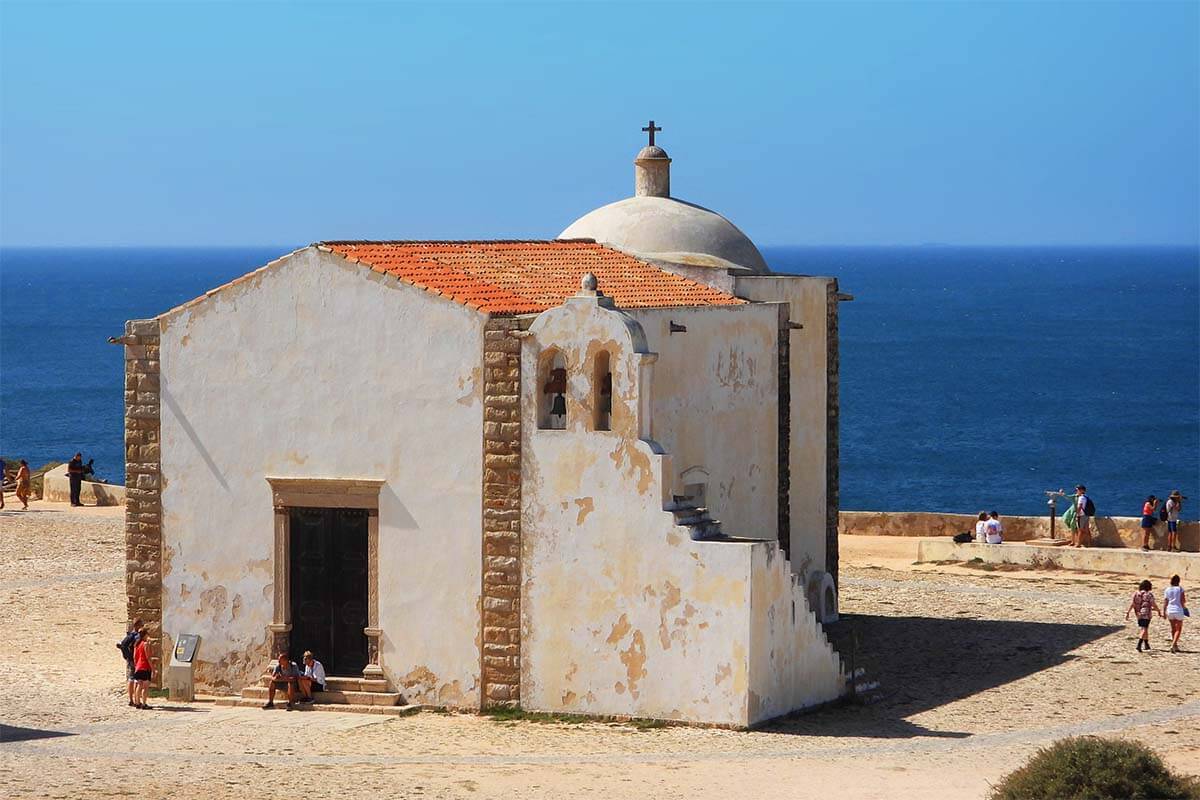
(602, 383)
(553, 401)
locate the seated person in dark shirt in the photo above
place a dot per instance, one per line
(285, 675)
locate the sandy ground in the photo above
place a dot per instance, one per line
(977, 670)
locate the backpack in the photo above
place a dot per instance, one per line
(963, 538)
(1089, 508)
(126, 646)
(1162, 513)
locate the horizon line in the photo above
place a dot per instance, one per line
(921, 245)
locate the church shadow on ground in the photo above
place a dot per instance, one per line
(922, 663)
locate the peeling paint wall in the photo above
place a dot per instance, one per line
(714, 408)
(807, 298)
(621, 611)
(315, 367)
(793, 665)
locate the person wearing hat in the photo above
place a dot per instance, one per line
(313, 678)
(1174, 506)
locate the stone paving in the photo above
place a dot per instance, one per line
(976, 671)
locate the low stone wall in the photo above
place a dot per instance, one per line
(1094, 559)
(1106, 531)
(56, 487)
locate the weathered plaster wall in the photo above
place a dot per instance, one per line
(622, 612)
(793, 665)
(315, 367)
(807, 298)
(714, 408)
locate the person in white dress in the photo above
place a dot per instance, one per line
(1175, 605)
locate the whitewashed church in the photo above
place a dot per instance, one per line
(594, 474)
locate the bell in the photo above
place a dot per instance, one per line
(559, 407)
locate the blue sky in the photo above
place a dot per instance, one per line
(848, 123)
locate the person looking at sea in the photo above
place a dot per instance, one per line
(995, 531)
(1175, 605)
(1174, 506)
(1084, 509)
(1149, 508)
(981, 527)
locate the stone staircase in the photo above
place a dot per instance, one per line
(360, 693)
(696, 519)
(840, 636)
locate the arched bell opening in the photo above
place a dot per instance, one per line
(552, 400)
(602, 391)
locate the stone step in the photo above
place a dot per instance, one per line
(395, 711)
(342, 684)
(354, 698)
(707, 531)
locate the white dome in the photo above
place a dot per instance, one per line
(667, 229)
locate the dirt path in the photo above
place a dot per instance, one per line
(978, 669)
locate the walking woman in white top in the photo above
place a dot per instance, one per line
(1175, 604)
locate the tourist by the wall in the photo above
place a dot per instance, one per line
(1148, 520)
(143, 670)
(981, 527)
(1175, 605)
(126, 646)
(1174, 506)
(75, 475)
(1085, 509)
(994, 530)
(1145, 606)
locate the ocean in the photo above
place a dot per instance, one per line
(971, 378)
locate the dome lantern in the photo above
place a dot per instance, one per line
(652, 168)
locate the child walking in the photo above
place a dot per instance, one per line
(1144, 605)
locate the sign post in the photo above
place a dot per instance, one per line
(180, 680)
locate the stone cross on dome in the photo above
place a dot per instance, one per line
(650, 129)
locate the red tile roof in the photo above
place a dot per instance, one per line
(521, 277)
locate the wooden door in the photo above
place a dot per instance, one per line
(329, 587)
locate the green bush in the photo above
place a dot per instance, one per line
(1091, 768)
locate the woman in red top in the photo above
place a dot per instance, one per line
(143, 670)
(1149, 520)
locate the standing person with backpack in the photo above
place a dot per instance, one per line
(1085, 509)
(1171, 511)
(126, 646)
(1149, 520)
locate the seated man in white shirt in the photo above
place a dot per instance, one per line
(313, 679)
(994, 530)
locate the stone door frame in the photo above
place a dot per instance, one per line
(289, 493)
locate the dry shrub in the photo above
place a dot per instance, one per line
(1091, 768)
